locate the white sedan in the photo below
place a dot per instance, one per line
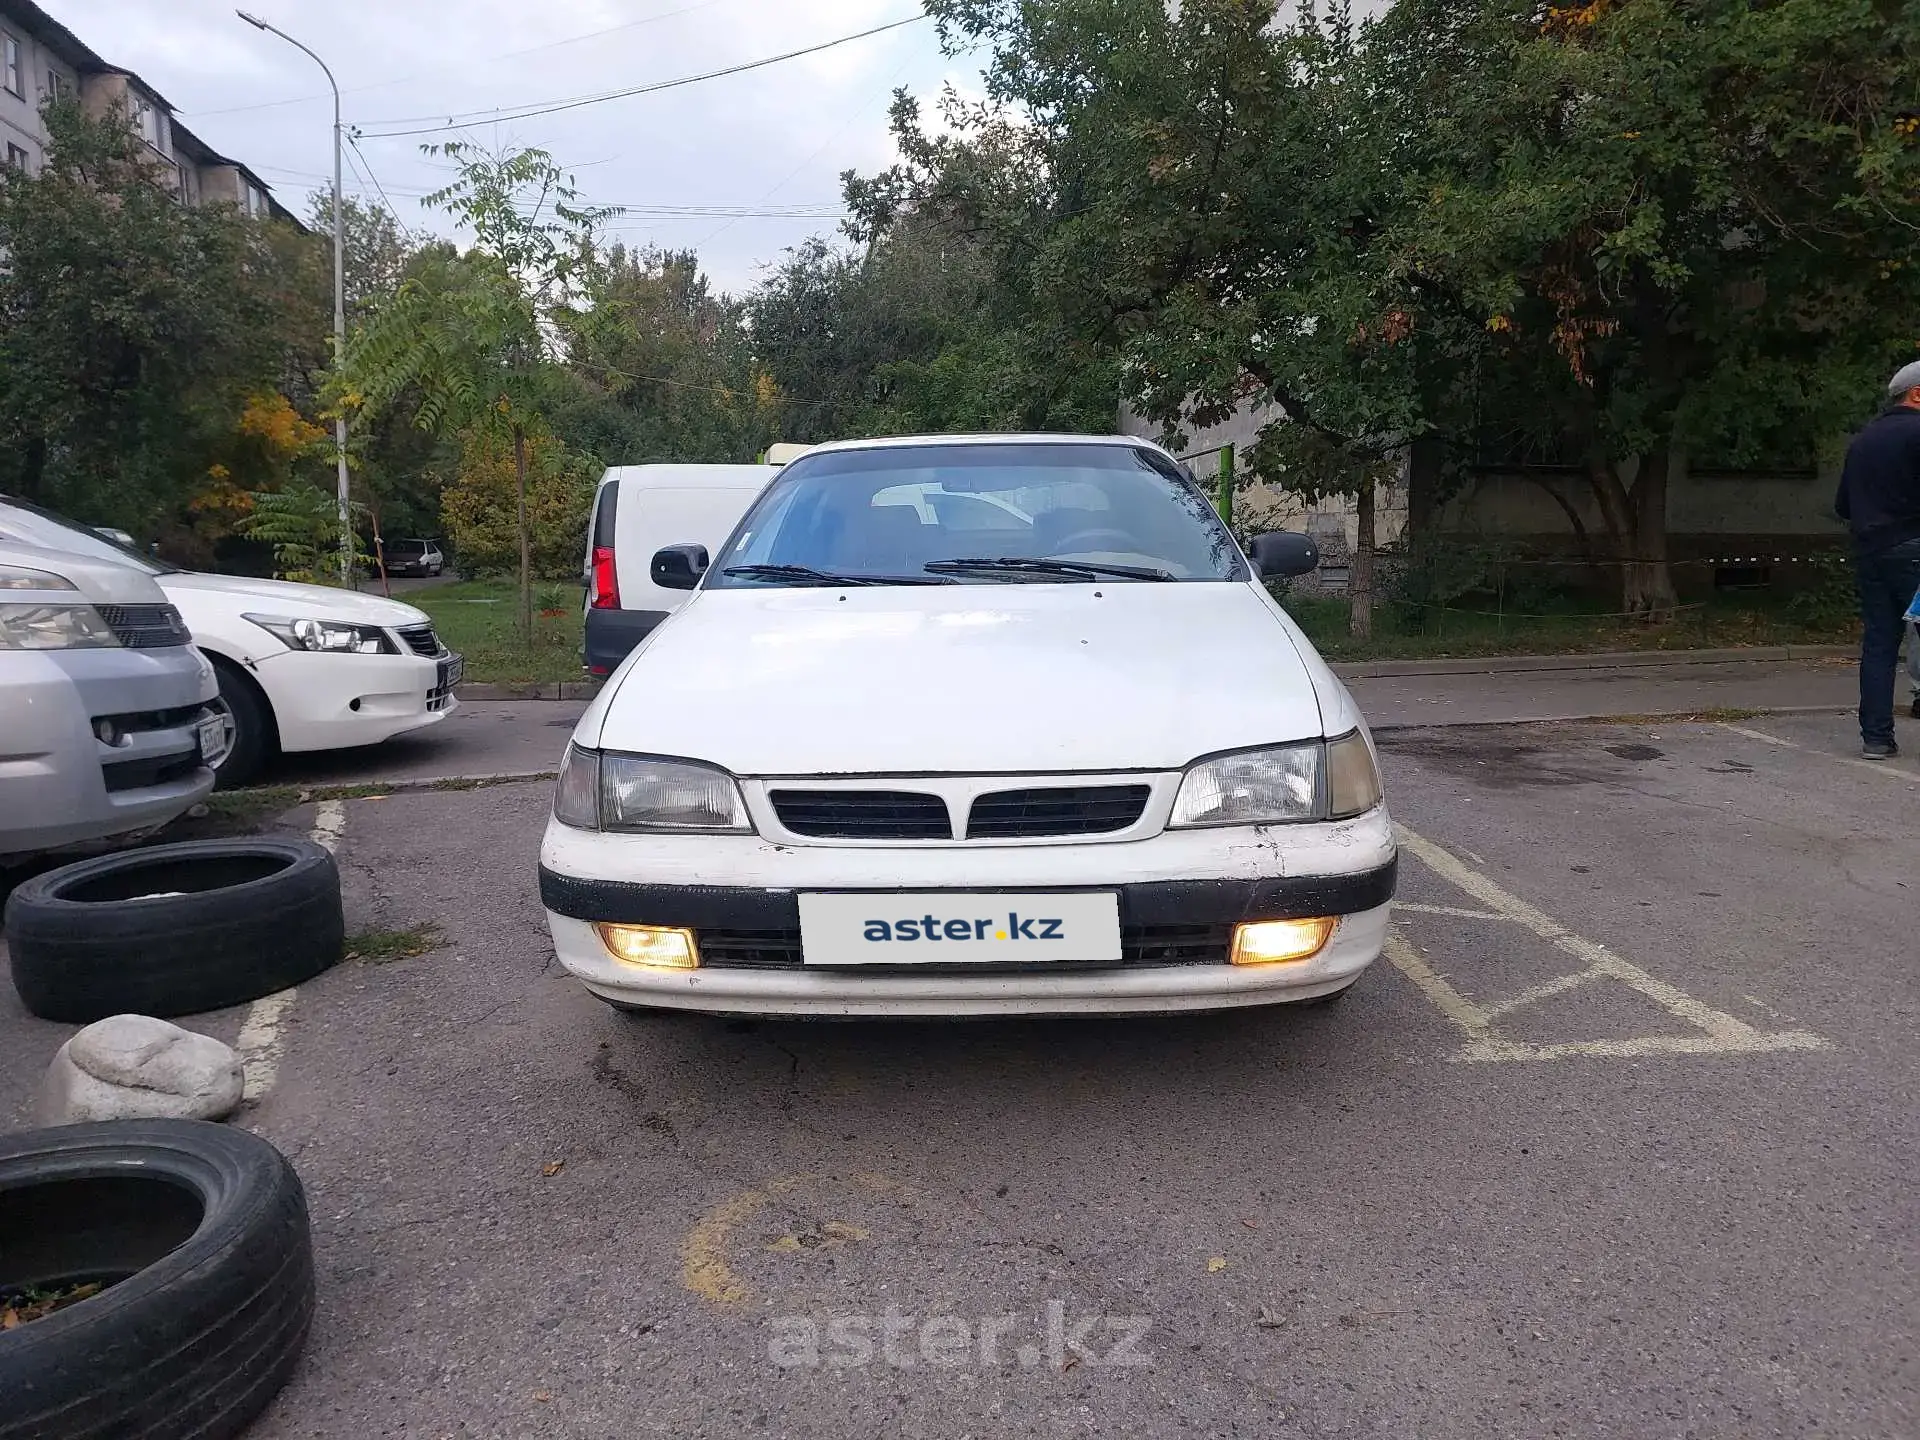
(1057, 754)
(301, 667)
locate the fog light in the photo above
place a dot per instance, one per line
(651, 945)
(1275, 942)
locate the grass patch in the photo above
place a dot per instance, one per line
(379, 947)
(480, 619)
(1569, 626)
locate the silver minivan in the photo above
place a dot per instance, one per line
(109, 717)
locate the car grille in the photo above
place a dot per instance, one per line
(145, 627)
(863, 814)
(420, 639)
(1079, 810)
(1140, 945)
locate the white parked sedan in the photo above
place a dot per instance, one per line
(1056, 753)
(301, 667)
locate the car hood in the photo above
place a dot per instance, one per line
(979, 679)
(284, 597)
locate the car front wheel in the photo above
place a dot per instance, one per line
(255, 739)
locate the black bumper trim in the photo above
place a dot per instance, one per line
(612, 634)
(1159, 902)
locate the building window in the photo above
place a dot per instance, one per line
(16, 158)
(10, 65)
(152, 128)
(58, 86)
(256, 201)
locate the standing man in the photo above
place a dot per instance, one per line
(1880, 501)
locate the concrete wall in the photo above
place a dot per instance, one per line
(20, 114)
(1267, 507)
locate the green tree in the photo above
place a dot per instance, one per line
(133, 329)
(469, 342)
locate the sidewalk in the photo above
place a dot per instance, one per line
(1513, 696)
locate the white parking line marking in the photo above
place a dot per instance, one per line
(1460, 911)
(260, 1043)
(1878, 767)
(1720, 1033)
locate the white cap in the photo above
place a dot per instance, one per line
(1907, 379)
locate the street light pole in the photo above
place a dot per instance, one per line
(339, 296)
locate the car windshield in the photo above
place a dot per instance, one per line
(28, 524)
(998, 513)
(406, 547)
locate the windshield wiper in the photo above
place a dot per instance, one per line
(807, 575)
(1034, 565)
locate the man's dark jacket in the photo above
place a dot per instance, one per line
(1880, 485)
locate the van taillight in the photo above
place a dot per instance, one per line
(606, 587)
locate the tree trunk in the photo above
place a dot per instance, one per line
(1360, 574)
(1648, 589)
(379, 542)
(1636, 522)
(526, 541)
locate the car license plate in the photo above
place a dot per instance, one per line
(946, 927)
(212, 735)
(451, 669)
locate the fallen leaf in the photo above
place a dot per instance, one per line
(543, 1396)
(1267, 1320)
(553, 1168)
(1250, 1224)
(1071, 1361)
(1216, 1265)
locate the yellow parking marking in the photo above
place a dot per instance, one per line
(705, 1264)
(1720, 1033)
(259, 1044)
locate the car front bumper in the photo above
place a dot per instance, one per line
(1191, 883)
(331, 702)
(60, 785)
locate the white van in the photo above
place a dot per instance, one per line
(636, 510)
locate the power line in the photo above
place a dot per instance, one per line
(469, 118)
(443, 69)
(392, 213)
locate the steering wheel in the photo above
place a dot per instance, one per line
(1081, 540)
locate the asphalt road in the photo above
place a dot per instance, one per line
(1481, 1197)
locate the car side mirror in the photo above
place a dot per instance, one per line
(1284, 554)
(678, 567)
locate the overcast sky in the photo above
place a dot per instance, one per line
(769, 138)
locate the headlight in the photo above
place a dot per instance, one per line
(53, 627)
(18, 577)
(1320, 780)
(1255, 787)
(340, 637)
(641, 793)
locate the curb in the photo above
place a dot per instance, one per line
(1609, 660)
(1672, 717)
(546, 690)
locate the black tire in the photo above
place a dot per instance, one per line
(1915, 711)
(101, 937)
(202, 1231)
(256, 738)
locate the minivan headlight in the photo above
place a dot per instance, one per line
(1318, 780)
(648, 794)
(40, 626)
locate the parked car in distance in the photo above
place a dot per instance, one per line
(301, 667)
(109, 717)
(636, 510)
(972, 726)
(413, 557)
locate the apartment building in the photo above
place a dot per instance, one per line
(42, 60)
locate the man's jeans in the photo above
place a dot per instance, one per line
(1888, 580)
